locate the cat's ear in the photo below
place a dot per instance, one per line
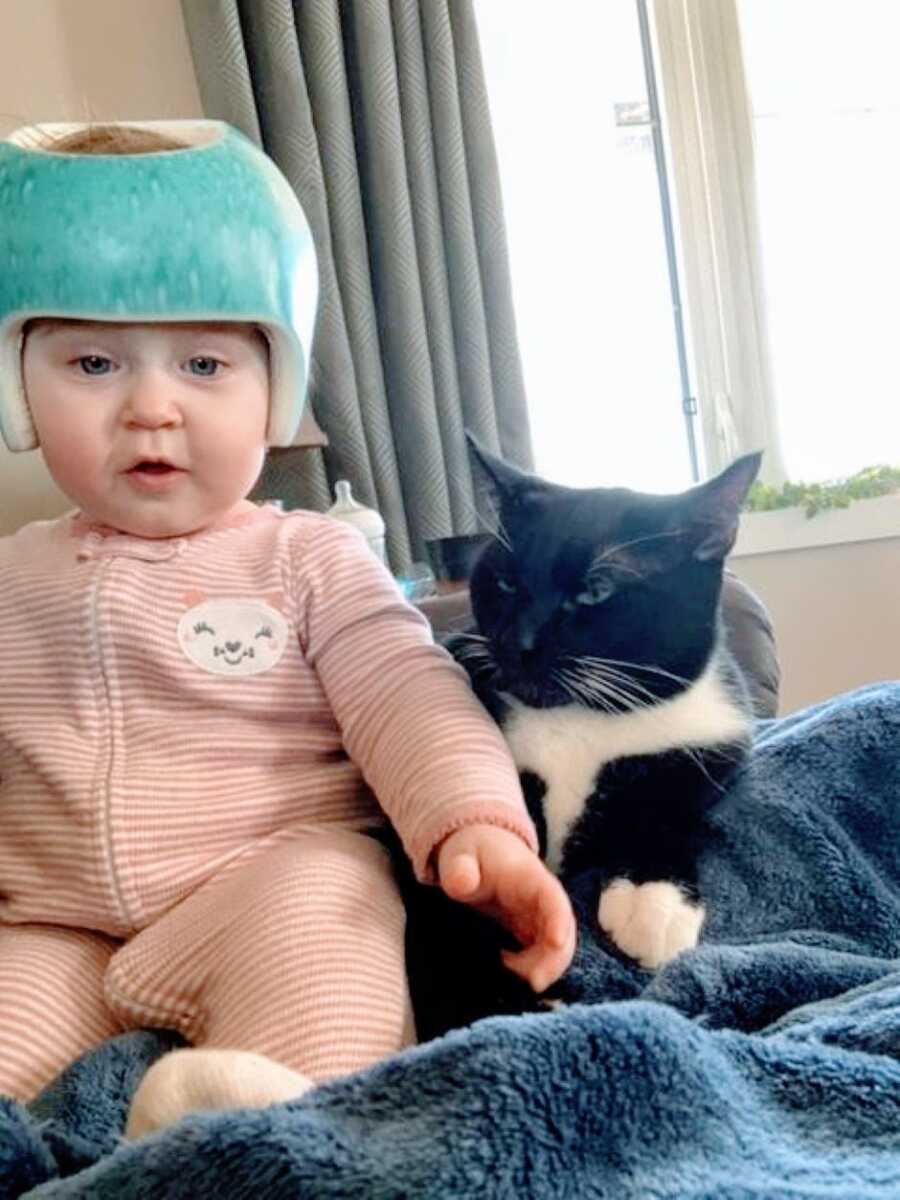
(499, 474)
(715, 508)
(505, 480)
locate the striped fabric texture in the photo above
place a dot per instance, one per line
(193, 732)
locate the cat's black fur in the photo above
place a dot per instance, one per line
(597, 617)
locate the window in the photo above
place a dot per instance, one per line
(825, 97)
(779, 119)
(581, 198)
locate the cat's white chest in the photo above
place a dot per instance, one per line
(568, 746)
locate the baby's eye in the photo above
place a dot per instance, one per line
(204, 366)
(95, 364)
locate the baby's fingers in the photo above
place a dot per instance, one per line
(557, 919)
(460, 876)
(548, 952)
(536, 965)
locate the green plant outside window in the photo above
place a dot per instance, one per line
(817, 497)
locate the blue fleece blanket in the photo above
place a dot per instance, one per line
(766, 1063)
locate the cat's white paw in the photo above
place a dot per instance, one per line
(650, 922)
(186, 1081)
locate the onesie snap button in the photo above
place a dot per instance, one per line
(89, 544)
(145, 549)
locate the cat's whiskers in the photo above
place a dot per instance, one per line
(559, 678)
(617, 662)
(697, 759)
(691, 752)
(622, 701)
(474, 653)
(474, 649)
(591, 666)
(625, 682)
(629, 667)
(594, 687)
(579, 694)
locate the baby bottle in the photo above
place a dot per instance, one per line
(366, 520)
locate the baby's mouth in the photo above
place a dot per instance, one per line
(151, 467)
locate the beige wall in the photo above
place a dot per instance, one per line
(72, 60)
(836, 611)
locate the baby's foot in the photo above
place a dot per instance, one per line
(186, 1081)
(650, 922)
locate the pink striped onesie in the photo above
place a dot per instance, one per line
(193, 732)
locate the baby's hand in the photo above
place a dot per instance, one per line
(494, 871)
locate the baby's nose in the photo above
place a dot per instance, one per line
(149, 404)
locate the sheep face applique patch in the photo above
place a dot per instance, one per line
(229, 635)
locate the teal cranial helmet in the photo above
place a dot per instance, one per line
(211, 232)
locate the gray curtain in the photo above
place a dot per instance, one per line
(376, 111)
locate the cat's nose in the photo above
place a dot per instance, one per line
(232, 647)
(527, 636)
(528, 656)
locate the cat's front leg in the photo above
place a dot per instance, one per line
(650, 922)
(647, 826)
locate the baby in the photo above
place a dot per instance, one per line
(208, 704)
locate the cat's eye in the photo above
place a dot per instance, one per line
(505, 586)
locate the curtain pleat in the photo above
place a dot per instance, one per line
(489, 227)
(376, 111)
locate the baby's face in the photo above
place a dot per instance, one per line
(157, 430)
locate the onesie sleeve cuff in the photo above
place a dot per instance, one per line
(424, 843)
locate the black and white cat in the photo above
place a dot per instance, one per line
(599, 651)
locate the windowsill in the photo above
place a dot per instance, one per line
(791, 529)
